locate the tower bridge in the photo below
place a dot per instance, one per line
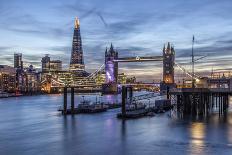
(112, 59)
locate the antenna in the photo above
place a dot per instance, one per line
(193, 81)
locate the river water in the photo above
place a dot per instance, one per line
(31, 125)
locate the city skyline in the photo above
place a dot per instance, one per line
(35, 29)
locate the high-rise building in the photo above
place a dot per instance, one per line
(55, 65)
(77, 60)
(18, 63)
(45, 63)
(32, 80)
(49, 65)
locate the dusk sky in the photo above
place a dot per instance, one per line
(135, 27)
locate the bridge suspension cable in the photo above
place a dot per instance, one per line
(196, 77)
(101, 68)
(93, 75)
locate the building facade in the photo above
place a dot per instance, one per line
(49, 65)
(32, 80)
(7, 79)
(52, 82)
(18, 63)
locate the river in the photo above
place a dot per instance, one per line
(31, 125)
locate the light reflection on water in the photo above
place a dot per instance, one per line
(197, 141)
(32, 125)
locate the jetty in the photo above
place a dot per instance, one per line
(200, 101)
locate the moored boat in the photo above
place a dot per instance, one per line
(89, 107)
(136, 106)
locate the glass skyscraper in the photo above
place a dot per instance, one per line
(77, 60)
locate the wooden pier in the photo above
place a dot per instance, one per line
(200, 101)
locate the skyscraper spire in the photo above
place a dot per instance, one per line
(77, 60)
(77, 23)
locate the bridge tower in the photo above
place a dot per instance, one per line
(168, 64)
(111, 69)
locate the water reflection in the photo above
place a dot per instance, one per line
(197, 141)
(38, 128)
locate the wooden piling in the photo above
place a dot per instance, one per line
(130, 94)
(124, 97)
(168, 92)
(65, 101)
(72, 100)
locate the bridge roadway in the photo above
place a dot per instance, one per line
(99, 85)
(139, 59)
(141, 84)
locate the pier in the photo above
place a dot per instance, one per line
(200, 101)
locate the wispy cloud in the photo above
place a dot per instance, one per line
(134, 27)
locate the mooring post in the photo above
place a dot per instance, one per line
(65, 101)
(130, 94)
(72, 100)
(219, 103)
(227, 101)
(124, 97)
(222, 96)
(168, 93)
(224, 103)
(212, 105)
(178, 101)
(216, 100)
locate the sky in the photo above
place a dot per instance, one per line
(135, 27)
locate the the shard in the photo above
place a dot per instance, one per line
(77, 60)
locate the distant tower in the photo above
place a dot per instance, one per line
(77, 60)
(111, 67)
(168, 64)
(46, 63)
(18, 63)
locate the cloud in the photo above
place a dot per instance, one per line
(134, 28)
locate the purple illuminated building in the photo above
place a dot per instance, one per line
(111, 67)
